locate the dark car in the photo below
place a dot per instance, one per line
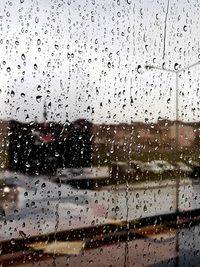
(195, 172)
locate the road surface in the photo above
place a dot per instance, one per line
(46, 207)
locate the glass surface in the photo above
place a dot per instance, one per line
(99, 133)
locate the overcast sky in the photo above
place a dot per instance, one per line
(87, 58)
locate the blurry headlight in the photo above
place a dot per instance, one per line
(6, 189)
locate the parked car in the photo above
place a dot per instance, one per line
(164, 165)
(120, 169)
(136, 165)
(195, 174)
(151, 167)
(84, 178)
(180, 166)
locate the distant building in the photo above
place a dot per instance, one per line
(186, 135)
(160, 135)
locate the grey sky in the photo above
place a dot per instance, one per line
(85, 58)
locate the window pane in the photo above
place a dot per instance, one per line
(99, 133)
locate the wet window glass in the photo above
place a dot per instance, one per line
(99, 133)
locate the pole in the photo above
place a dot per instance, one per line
(177, 178)
(177, 111)
(177, 139)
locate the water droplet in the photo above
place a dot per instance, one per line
(139, 68)
(37, 182)
(22, 234)
(131, 100)
(36, 19)
(33, 204)
(56, 46)
(145, 208)
(117, 209)
(38, 98)
(38, 41)
(23, 57)
(43, 185)
(185, 28)
(12, 241)
(176, 66)
(39, 87)
(12, 93)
